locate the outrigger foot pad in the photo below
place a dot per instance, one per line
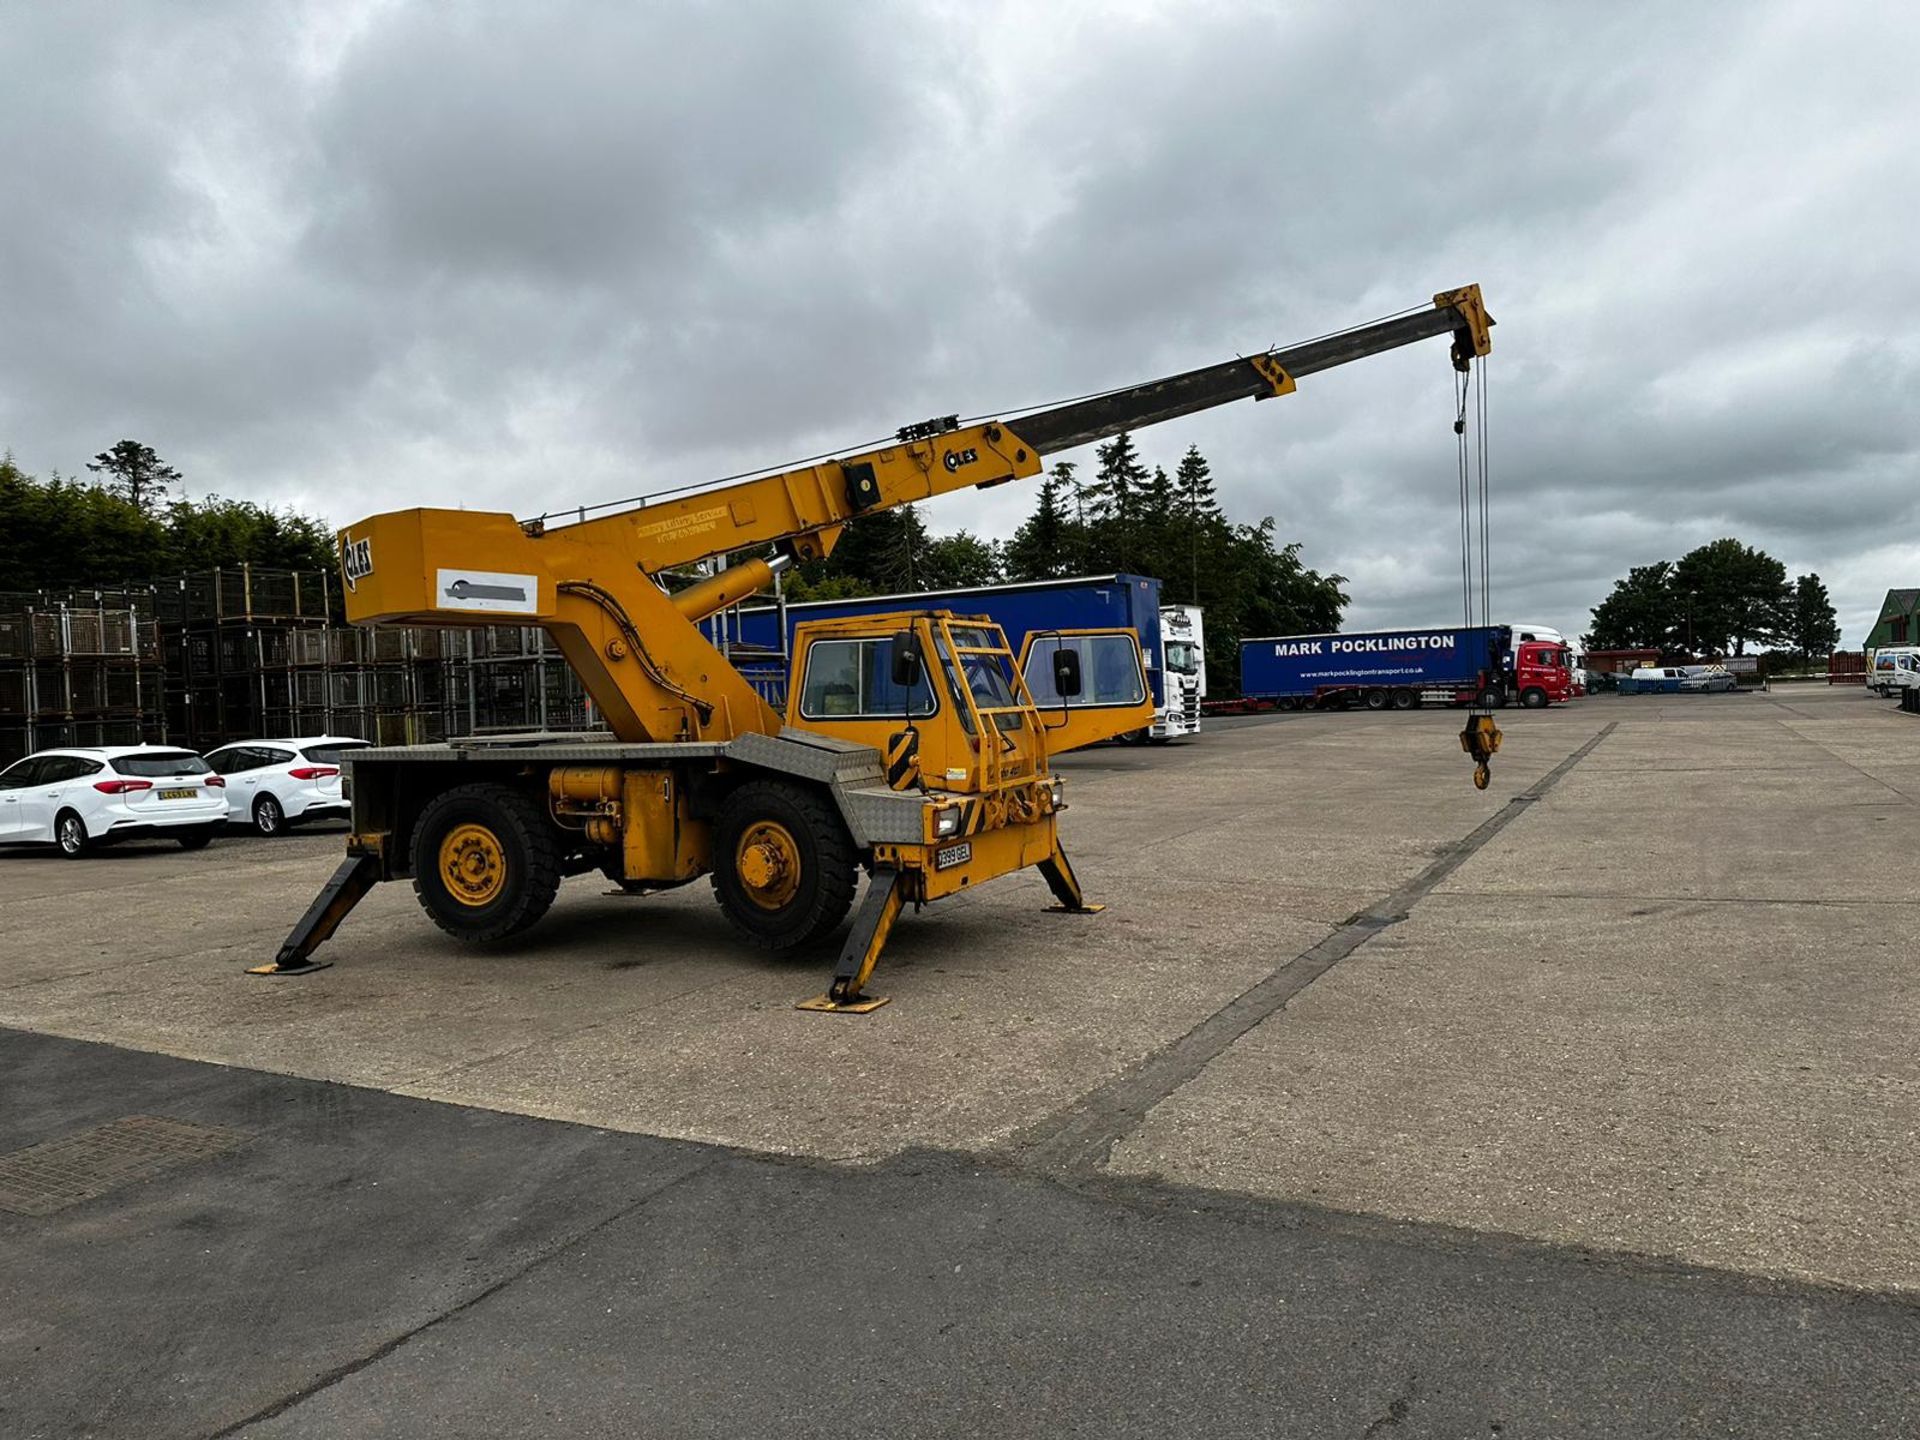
(879, 908)
(303, 967)
(349, 884)
(1093, 908)
(860, 1005)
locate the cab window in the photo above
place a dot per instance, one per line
(1109, 671)
(853, 679)
(162, 766)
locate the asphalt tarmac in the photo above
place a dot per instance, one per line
(1374, 1106)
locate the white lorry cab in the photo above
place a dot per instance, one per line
(1183, 646)
(1893, 668)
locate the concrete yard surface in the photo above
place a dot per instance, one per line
(1374, 1105)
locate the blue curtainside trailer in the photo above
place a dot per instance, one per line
(1129, 602)
(1379, 668)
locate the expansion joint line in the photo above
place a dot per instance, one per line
(1078, 1140)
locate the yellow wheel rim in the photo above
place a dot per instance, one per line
(767, 860)
(473, 864)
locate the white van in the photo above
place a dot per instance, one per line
(1893, 668)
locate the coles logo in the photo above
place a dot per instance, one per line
(356, 560)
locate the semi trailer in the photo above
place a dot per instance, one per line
(1402, 669)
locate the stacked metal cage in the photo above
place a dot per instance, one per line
(77, 669)
(250, 653)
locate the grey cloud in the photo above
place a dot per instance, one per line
(357, 256)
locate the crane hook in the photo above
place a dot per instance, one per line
(1480, 738)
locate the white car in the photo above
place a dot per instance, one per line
(86, 796)
(273, 783)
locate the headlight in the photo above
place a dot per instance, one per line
(1059, 789)
(946, 821)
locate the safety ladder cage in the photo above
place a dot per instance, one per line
(1003, 766)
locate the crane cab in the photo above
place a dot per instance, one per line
(943, 697)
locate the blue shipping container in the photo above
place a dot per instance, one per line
(1085, 603)
(1300, 666)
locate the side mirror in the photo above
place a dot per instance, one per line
(907, 660)
(1066, 673)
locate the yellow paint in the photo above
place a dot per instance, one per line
(662, 841)
(767, 860)
(473, 865)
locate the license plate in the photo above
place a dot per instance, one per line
(948, 856)
(179, 794)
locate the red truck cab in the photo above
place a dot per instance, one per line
(1542, 673)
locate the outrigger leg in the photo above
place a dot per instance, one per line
(879, 908)
(1065, 885)
(356, 876)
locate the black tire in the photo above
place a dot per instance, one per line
(1377, 698)
(828, 868)
(1534, 698)
(1494, 697)
(196, 839)
(269, 818)
(528, 865)
(1406, 699)
(70, 834)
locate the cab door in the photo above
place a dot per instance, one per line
(1112, 697)
(15, 783)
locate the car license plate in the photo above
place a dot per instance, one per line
(179, 794)
(948, 856)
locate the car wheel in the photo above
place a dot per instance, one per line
(268, 818)
(198, 840)
(70, 834)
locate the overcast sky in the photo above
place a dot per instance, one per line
(362, 256)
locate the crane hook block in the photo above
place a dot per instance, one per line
(1480, 739)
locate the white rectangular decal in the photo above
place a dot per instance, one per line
(486, 590)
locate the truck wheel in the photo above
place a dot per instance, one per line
(1533, 697)
(783, 863)
(486, 862)
(1376, 699)
(1406, 700)
(1494, 697)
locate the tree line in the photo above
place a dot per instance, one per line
(1124, 518)
(126, 525)
(1716, 600)
(64, 533)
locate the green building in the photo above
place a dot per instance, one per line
(1899, 622)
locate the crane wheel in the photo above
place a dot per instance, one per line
(783, 863)
(486, 861)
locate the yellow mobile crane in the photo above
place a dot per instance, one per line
(915, 745)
